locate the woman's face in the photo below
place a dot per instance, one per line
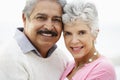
(78, 38)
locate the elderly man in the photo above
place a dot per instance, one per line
(32, 54)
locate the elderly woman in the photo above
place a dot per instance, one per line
(80, 32)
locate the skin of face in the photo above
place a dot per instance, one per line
(78, 39)
(46, 16)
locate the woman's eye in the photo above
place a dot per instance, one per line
(82, 32)
(67, 33)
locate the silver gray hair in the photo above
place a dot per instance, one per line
(30, 4)
(85, 11)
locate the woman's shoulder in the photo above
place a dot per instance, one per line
(103, 69)
(104, 62)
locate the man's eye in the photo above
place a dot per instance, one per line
(40, 18)
(57, 20)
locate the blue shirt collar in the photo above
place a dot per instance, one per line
(25, 45)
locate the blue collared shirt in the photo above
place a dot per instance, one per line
(25, 45)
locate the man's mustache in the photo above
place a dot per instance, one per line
(53, 33)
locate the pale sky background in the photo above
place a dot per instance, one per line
(108, 40)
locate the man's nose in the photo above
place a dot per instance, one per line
(49, 25)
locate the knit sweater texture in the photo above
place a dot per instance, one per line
(15, 65)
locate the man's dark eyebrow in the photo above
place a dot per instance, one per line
(39, 14)
(43, 14)
(58, 17)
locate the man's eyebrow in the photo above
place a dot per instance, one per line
(43, 14)
(58, 17)
(39, 14)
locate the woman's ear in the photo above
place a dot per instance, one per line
(95, 35)
(97, 31)
(24, 19)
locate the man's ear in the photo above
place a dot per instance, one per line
(24, 19)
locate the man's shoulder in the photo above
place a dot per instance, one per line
(9, 50)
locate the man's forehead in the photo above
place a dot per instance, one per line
(46, 15)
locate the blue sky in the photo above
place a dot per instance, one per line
(109, 23)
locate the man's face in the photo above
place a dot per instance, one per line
(44, 26)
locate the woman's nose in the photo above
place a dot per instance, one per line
(75, 40)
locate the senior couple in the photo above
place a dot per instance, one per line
(33, 54)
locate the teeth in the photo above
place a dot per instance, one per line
(77, 48)
(49, 35)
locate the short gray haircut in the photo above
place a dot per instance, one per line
(30, 4)
(83, 10)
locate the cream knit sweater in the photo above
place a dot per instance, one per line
(15, 65)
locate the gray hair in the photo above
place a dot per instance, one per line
(85, 11)
(30, 4)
